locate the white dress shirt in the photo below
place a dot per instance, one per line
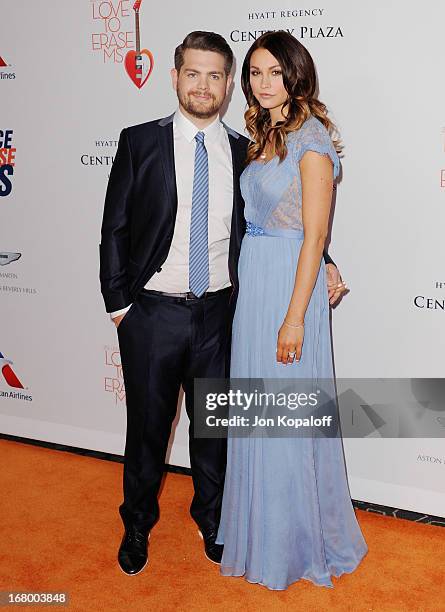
(174, 274)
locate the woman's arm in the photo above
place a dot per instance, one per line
(317, 184)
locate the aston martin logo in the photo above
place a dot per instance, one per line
(6, 258)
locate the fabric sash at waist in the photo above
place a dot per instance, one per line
(256, 230)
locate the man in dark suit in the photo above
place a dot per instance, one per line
(171, 234)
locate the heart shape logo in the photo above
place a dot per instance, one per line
(139, 66)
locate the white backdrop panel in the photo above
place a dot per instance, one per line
(377, 64)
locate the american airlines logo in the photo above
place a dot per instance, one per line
(8, 373)
(5, 69)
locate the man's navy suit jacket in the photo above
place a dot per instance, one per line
(140, 211)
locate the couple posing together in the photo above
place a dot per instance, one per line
(212, 247)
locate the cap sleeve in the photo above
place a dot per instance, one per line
(315, 137)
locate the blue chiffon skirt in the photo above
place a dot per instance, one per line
(287, 511)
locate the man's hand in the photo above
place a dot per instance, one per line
(336, 287)
(118, 319)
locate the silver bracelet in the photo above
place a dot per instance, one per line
(294, 326)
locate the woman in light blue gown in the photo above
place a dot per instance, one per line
(287, 511)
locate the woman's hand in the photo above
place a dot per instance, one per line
(336, 286)
(289, 343)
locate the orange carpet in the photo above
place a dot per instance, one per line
(60, 531)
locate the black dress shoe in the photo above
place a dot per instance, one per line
(213, 551)
(133, 551)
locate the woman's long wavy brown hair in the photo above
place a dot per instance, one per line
(300, 82)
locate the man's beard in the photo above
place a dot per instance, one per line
(195, 109)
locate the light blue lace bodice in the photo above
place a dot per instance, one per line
(272, 191)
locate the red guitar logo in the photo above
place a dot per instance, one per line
(139, 63)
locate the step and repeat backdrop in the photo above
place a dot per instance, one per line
(67, 88)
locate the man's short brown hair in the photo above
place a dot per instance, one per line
(205, 41)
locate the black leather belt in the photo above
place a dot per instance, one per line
(187, 296)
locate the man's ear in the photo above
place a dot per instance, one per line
(174, 75)
(229, 83)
